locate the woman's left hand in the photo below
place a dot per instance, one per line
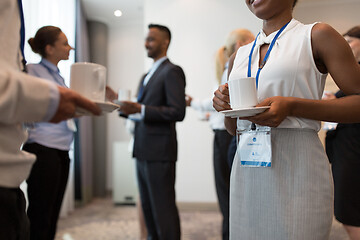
(280, 108)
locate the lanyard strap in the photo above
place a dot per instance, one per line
(266, 56)
(22, 31)
(54, 75)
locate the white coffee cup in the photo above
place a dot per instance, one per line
(124, 95)
(242, 92)
(88, 79)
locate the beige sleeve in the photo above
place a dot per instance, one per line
(23, 98)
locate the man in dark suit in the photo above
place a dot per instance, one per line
(161, 103)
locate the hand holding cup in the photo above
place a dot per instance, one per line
(221, 100)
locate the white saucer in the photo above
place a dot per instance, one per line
(118, 102)
(104, 106)
(244, 112)
(107, 106)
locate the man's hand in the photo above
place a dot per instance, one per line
(128, 107)
(69, 100)
(328, 96)
(188, 100)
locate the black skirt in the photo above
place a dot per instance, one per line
(343, 150)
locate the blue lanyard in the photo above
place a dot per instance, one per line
(22, 31)
(266, 56)
(54, 75)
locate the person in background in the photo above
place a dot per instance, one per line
(343, 150)
(23, 98)
(292, 198)
(242, 37)
(50, 142)
(161, 103)
(222, 138)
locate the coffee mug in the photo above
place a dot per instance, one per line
(88, 79)
(124, 95)
(242, 92)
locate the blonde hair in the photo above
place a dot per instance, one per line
(243, 36)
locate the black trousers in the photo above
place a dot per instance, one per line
(46, 188)
(343, 150)
(157, 192)
(14, 224)
(222, 141)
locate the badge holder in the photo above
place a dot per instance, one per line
(254, 146)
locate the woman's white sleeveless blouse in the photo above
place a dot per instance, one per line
(293, 199)
(289, 71)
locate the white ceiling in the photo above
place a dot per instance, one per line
(103, 10)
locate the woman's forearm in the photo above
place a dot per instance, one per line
(343, 110)
(230, 125)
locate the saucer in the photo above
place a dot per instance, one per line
(118, 102)
(244, 112)
(104, 106)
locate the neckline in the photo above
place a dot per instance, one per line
(293, 22)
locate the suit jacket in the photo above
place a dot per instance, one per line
(164, 100)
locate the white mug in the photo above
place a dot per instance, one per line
(124, 95)
(88, 79)
(242, 92)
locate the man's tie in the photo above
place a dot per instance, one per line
(141, 90)
(22, 32)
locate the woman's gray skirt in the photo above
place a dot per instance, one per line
(292, 200)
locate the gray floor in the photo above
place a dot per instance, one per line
(101, 220)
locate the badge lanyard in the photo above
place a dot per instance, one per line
(253, 126)
(54, 75)
(266, 56)
(254, 145)
(22, 33)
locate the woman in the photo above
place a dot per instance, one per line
(293, 198)
(343, 149)
(49, 142)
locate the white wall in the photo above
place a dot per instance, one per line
(199, 28)
(340, 14)
(125, 67)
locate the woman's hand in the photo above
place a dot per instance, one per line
(280, 108)
(221, 99)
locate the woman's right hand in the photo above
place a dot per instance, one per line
(221, 99)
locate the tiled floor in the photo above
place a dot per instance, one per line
(101, 220)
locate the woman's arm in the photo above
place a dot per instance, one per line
(333, 54)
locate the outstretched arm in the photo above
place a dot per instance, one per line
(69, 101)
(25, 98)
